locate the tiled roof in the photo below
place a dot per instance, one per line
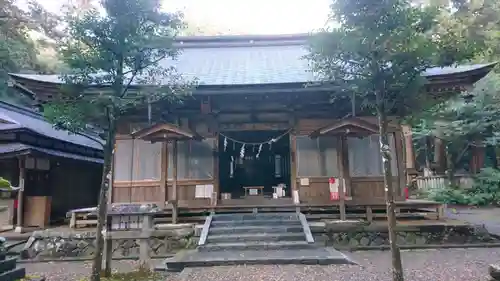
(247, 60)
(7, 148)
(33, 121)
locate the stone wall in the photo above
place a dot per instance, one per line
(352, 235)
(164, 241)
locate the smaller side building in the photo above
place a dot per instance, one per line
(58, 171)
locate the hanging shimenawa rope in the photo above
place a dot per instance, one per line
(256, 143)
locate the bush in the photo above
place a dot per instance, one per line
(484, 192)
(450, 195)
(4, 183)
(486, 188)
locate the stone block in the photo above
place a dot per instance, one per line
(494, 271)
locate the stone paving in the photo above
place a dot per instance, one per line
(424, 265)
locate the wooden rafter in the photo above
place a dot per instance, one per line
(165, 132)
(351, 126)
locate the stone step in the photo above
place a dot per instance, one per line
(297, 236)
(255, 229)
(257, 216)
(261, 222)
(7, 264)
(194, 258)
(254, 245)
(15, 274)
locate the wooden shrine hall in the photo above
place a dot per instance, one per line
(252, 135)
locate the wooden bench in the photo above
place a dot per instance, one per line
(260, 190)
(85, 217)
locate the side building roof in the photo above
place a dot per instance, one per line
(17, 117)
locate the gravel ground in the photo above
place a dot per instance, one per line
(428, 265)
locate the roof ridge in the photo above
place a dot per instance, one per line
(21, 109)
(231, 41)
(255, 37)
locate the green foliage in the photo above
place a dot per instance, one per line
(118, 57)
(19, 52)
(380, 50)
(4, 183)
(449, 195)
(122, 51)
(486, 189)
(484, 192)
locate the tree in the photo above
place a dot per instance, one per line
(18, 49)
(123, 51)
(464, 124)
(377, 51)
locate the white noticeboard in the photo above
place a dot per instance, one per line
(253, 191)
(203, 191)
(304, 181)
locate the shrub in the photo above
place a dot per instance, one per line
(449, 195)
(485, 191)
(4, 183)
(486, 188)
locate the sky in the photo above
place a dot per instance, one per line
(245, 16)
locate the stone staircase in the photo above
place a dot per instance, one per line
(9, 270)
(271, 231)
(257, 238)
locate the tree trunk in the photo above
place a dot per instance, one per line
(103, 201)
(385, 150)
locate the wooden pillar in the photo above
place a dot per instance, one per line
(440, 155)
(174, 183)
(408, 141)
(398, 143)
(345, 184)
(216, 190)
(293, 165)
(20, 196)
(163, 174)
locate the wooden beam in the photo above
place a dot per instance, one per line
(163, 174)
(439, 155)
(216, 189)
(293, 163)
(410, 155)
(174, 183)
(20, 195)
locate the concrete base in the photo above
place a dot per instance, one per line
(194, 258)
